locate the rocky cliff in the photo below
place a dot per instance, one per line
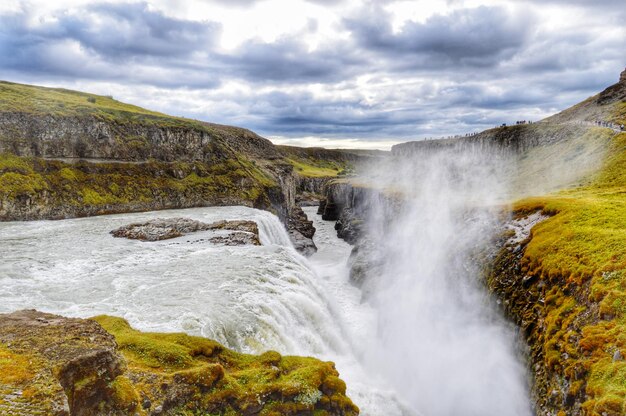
(51, 365)
(69, 154)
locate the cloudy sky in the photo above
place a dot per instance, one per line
(337, 73)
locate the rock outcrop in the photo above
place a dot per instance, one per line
(241, 232)
(301, 231)
(350, 204)
(56, 366)
(52, 365)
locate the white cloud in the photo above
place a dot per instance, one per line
(344, 143)
(337, 73)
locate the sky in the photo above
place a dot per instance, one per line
(332, 73)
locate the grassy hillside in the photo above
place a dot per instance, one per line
(577, 261)
(60, 102)
(51, 365)
(66, 153)
(567, 290)
(316, 162)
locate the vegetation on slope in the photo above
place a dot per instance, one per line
(65, 190)
(315, 162)
(211, 379)
(172, 162)
(51, 365)
(59, 102)
(578, 260)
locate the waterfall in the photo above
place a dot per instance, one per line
(441, 342)
(427, 342)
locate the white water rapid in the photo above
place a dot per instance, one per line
(250, 298)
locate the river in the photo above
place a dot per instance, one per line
(250, 298)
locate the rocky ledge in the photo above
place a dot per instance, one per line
(239, 232)
(51, 365)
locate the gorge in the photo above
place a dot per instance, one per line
(478, 276)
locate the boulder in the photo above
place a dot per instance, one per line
(58, 366)
(242, 231)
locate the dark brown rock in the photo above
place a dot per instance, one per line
(301, 231)
(81, 355)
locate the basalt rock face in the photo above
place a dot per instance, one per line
(310, 190)
(51, 365)
(91, 137)
(50, 136)
(351, 206)
(301, 231)
(613, 93)
(500, 142)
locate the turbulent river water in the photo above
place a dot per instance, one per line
(250, 298)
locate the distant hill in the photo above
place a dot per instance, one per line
(608, 106)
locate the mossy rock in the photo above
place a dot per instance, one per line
(177, 371)
(50, 365)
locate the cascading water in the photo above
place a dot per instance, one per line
(426, 341)
(441, 343)
(250, 298)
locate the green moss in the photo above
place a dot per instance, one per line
(211, 377)
(580, 252)
(166, 352)
(124, 396)
(87, 189)
(16, 184)
(16, 164)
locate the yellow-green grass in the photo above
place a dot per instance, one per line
(222, 379)
(316, 168)
(20, 98)
(619, 113)
(581, 252)
(15, 369)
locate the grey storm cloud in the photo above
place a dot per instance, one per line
(117, 42)
(248, 3)
(288, 60)
(469, 69)
(476, 37)
(116, 30)
(302, 113)
(140, 31)
(136, 36)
